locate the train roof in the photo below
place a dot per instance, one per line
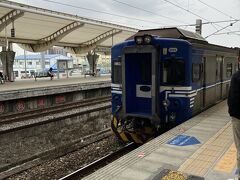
(178, 33)
(174, 32)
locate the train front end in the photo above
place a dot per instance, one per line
(138, 109)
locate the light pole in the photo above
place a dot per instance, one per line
(42, 61)
(25, 62)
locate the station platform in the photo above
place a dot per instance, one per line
(201, 148)
(28, 94)
(46, 82)
(44, 86)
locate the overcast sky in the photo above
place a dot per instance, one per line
(157, 13)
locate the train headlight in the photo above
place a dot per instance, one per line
(138, 40)
(147, 39)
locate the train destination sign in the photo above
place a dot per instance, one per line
(172, 50)
(183, 140)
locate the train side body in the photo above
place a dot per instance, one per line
(168, 81)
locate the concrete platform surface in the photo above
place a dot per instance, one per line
(43, 87)
(46, 82)
(201, 148)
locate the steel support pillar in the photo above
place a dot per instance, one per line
(92, 58)
(7, 58)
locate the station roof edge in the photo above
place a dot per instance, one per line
(46, 12)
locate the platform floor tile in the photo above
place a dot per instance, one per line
(204, 158)
(133, 174)
(45, 82)
(207, 159)
(148, 165)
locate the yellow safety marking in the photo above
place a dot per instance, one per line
(115, 122)
(228, 161)
(124, 137)
(135, 138)
(148, 130)
(174, 175)
(206, 156)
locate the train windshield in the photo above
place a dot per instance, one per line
(173, 72)
(117, 72)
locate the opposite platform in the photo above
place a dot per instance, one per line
(201, 148)
(43, 87)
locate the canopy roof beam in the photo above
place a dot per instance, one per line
(9, 18)
(53, 39)
(92, 44)
(62, 32)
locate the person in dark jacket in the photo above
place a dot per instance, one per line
(234, 112)
(1, 77)
(50, 73)
(1, 74)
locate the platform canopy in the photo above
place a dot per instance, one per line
(36, 29)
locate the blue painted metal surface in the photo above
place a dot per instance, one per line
(178, 105)
(135, 65)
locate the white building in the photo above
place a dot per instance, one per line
(33, 63)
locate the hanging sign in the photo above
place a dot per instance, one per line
(3, 42)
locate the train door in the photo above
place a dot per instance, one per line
(139, 67)
(203, 83)
(221, 74)
(218, 78)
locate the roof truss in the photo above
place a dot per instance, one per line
(92, 44)
(38, 29)
(51, 40)
(9, 18)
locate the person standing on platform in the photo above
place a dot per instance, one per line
(234, 111)
(1, 77)
(50, 73)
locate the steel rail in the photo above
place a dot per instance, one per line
(80, 173)
(63, 150)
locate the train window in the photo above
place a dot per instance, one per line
(229, 70)
(145, 70)
(196, 72)
(16, 73)
(117, 72)
(173, 72)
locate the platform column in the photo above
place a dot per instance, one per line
(92, 58)
(7, 58)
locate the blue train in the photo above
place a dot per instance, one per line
(163, 77)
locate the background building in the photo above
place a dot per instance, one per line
(33, 63)
(56, 50)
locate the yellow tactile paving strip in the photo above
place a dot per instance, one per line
(174, 175)
(228, 161)
(206, 156)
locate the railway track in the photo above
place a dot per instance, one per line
(68, 150)
(17, 117)
(82, 172)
